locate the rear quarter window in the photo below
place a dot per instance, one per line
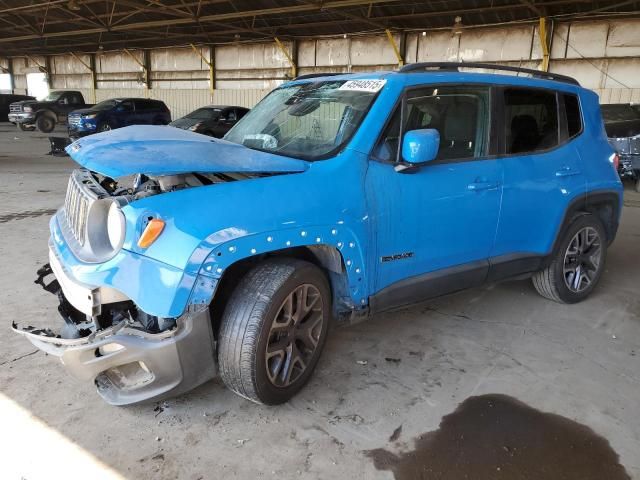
(573, 115)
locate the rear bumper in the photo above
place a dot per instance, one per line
(131, 366)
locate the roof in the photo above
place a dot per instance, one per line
(52, 26)
(421, 76)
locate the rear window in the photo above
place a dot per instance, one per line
(531, 120)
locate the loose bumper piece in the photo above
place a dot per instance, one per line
(131, 366)
(127, 363)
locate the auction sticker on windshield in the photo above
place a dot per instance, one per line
(363, 85)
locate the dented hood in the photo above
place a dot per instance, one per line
(163, 150)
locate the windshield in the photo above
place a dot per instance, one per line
(614, 113)
(106, 105)
(307, 121)
(204, 114)
(52, 97)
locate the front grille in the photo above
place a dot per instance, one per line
(15, 108)
(76, 208)
(73, 120)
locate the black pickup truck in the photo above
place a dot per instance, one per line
(46, 113)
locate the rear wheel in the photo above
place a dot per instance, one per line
(273, 330)
(45, 123)
(577, 264)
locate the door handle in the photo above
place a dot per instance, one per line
(477, 186)
(567, 172)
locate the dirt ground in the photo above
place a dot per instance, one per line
(408, 368)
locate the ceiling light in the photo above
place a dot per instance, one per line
(424, 34)
(457, 26)
(73, 5)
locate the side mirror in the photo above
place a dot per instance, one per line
(420, 146)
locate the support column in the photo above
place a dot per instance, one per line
(396, 50)
(544, 43)
(294, 67)
(91, 66)
(145, 70)
(210, 64)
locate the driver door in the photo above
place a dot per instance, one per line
(435, 224)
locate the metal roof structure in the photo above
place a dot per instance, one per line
(59, 26)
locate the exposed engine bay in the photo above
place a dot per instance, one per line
(141, 186)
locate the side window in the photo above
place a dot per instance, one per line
(531, 120)
(143, 105)
(75, 99)
(459, 113)
(572, 112)
(231, 115)
(127, 106)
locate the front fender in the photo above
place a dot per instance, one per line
(214, 257)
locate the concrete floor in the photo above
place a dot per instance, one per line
(580, 361)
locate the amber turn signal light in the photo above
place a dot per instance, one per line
(151, 233)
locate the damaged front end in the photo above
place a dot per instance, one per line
(129, 355)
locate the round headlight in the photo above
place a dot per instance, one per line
(115, 226)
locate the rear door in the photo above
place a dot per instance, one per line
(144, 112)
(543, 173)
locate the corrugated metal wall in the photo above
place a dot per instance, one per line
(602, 55)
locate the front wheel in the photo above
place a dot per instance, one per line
(104, 127)
(577, 264)
(45, 123)
(273, 330)
(23, 128)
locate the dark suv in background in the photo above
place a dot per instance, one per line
(213, 120)
(116, 113)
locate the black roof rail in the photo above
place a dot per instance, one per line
(455, 66)
(321, 74)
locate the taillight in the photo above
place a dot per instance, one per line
(615, 160)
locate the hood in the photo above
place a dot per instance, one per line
(80, 111)
(33, 101)
(185, 122)
(161, 150)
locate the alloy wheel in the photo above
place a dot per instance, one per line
(582, 259)
(294, 335)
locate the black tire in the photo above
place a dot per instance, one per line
(45, 123)
(246, 330)
(23, 128)
(104, 127)
(552, 283)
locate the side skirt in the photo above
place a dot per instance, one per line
(449, 280)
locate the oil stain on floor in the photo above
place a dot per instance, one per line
(500, 438)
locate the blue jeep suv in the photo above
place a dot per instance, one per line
(178, 257)
(117, 113)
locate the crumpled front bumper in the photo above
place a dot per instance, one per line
(130, 366)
